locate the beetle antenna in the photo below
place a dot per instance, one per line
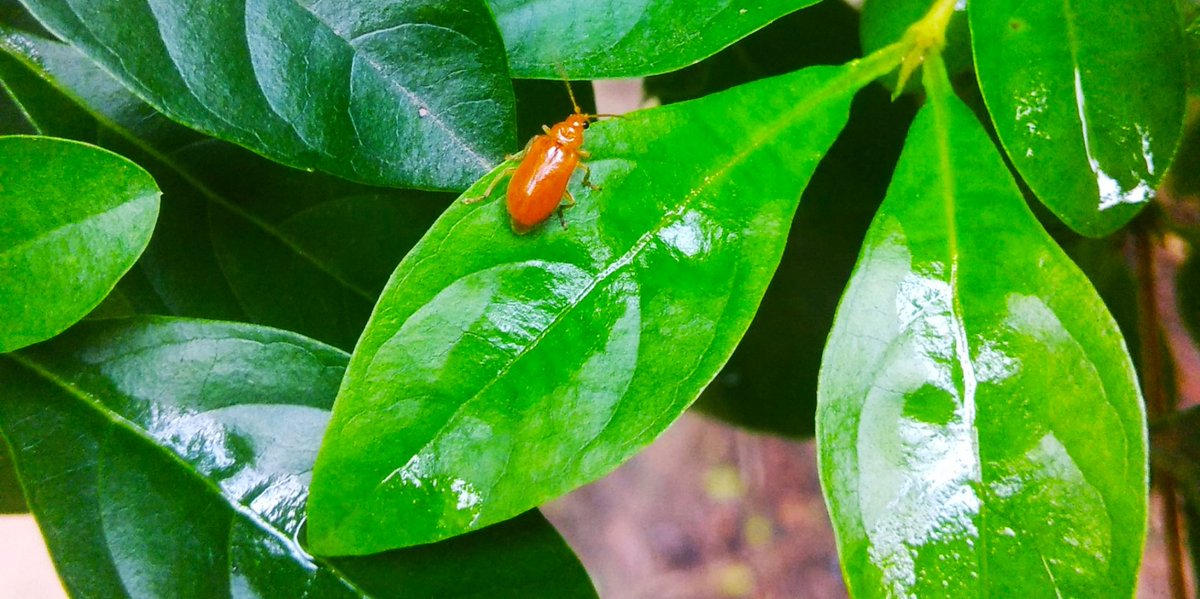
(570, 92)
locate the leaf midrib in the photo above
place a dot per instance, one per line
(62, 227)
(941, 96)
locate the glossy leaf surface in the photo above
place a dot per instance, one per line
(193, 484)
(970, 372)
(1087, 98)
(499, 371)
(770, 381)
(410, 94)
(239, 237)
(73, 219)
(623, 38)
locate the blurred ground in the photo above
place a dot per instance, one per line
(708, 511)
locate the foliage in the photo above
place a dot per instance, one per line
(979, 422)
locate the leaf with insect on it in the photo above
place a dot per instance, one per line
(499, 371)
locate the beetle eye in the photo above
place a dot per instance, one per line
(586, 124)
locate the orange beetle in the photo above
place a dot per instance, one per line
(539, 181)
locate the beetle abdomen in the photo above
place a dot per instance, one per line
(539, 183)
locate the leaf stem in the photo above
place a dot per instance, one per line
(1158, 402)
(925, 37)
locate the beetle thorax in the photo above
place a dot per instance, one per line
(570, 132)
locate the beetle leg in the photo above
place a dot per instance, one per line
(583, 153)
(487, 193)
(546, 129)
(568, 201)
(521, 154)
(587, 178)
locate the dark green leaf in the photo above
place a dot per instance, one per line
(626, 38)
(970, 373)
(193, 484)
(12, 499)
(73, 219)
(1087, 98)
(15, 15)
(499, 371)
(825, 34)
(239, 237)
(297, 250)
(1184, 179)
(13, 120)
(411, 94)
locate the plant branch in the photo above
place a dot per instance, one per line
(1158, 402)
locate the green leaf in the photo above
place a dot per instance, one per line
(770, 381)
(824, 34)
(193, 485)
(1088, 100)
(628, 38)
(12, 498)
(235, 229)
(410, 94)
(499, 371)
(297, 250)
(13, 120)
(73, 219)
(970, 372)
